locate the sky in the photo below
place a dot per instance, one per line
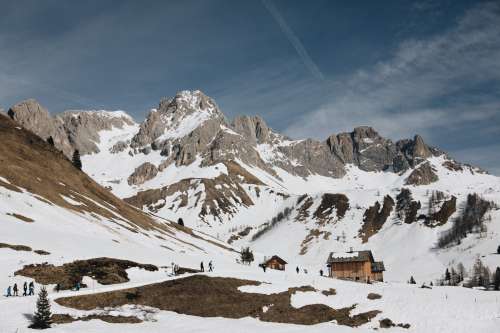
(309, 68)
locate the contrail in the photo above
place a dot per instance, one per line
(304, 56)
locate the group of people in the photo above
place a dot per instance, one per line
(28, 289)
(210, 267)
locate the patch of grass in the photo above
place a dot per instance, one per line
(205, 296)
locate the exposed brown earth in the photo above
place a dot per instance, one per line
(373, 296)
(60, 318)
(21, 217)
(329, 292)
(22, 248)
(104, 270)
(375, 217)
(15, 247)
(205, 296)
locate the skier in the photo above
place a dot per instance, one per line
(58, 287)
(8, 292)
(321, 272)
(264, 268)
(210, 266)
(202, 268)
(25, 288)
(297, 269)
(15, 290)
(31, 288)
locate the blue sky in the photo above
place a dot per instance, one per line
(310, 68)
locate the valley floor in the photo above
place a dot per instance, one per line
(441, 309)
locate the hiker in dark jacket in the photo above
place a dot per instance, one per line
(210, 266)
(31, 288)
(58, 287)
(8, 292)
(25, 288)
(297, 269)
(15, 290)
(202, 268)
(321, 272)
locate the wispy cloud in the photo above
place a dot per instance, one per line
(294, 40)
(442, 81)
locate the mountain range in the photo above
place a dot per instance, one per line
(245, 184)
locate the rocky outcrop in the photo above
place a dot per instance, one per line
(406, 207)
(375, 217)
(254, 129)
(365, 148)
(441, 217)
(70, 130)
(142, 174)
(424, 174)
(329, 203)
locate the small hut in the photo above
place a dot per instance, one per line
(275, 262)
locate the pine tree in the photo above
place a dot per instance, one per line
(180, 221)
(496, 281)
(447, 276)
(461, 272)
(498, 249)
(77, 162)
(246, 255)
(412, 280)
(41, 319)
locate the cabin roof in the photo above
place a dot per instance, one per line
(278, 259)
(350, 256)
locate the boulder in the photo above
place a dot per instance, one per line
(143, 173)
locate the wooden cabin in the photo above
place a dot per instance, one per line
(275, 262)
(356, 266)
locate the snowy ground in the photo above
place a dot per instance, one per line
(441, 309)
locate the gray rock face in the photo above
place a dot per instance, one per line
(142, 174)
(254, 129)
(119, 147)
(82, 128)
(422, 175)
(32, 116)
(71, 130)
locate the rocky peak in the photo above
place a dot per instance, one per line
(254, 129)
(32, 116)
(177, 117)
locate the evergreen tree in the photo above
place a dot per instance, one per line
(41, 319)
(498, 249)
(447, 276)
(246, 255)
(50, 141)
(180, 221)
(496, 281)
(461, 272)
(412, 280)
(77, 162)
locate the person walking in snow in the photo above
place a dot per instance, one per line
(297, 270)
(77, 286)
(58, 287)
(264, 268)
(202, 268)
(31, 288)
(320, 272)
(8, 292)
(210, 266)
(25, 288)
(15, 290)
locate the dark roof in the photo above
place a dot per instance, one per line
(378, 266)
(350, 256)
(278, 259)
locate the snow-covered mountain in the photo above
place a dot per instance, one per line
(242, 182)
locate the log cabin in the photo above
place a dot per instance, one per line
(275, 262)
(356, 266)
